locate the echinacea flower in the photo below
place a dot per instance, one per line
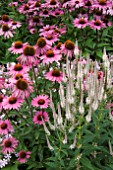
(41, 101)
(29, 55)
(9, 145)
(102, 4)
(51, 56)
(12, 102)
(37, 119)
(22, 88)
(54, 75)
(6, 31)
(17, 47)
(81, 22)
(17, 69)
(68, 48)
(42, 46)
(97, 24)
(15, 24)
(23, 156)
(5, 127)
(5, 19)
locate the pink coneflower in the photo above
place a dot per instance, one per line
(22, 88)
(97, 24)
(81, 22)
(35, 21)
(68, 48)
(17, 69)
(51, 56)
(50, 37)
(23, 156)
(9, 145)
(5, 19)
(29, 55)
(88, 3)
(17, 47)
(18, 76)
(57, 12)
(15, 24)
(51, 4)
(37, 119)
(45, 13)
(24, 9)
(102, 4)
(47, 28)
(42, 46)
(77, 3)
(12, 102)
(6, 31)
(54, 75)
(41, 101)
(5, 127)
(36, 5)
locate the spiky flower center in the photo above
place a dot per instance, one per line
(3, 125)
(29, 50)
(56, 73)
(45, 12)
(18, 44)
(41, 42)
(50, 53)
(58, 45)
(22, 154)
(12, 100)
(18, 67)
(36, 19)
(88, 3)
(102, 2)
(38, 4)
(22, 84)
(41, 101)
(26, 7)
(49, 37)
(5, 18)
(18, 76)
(53, 2)
(5, 27)
(97, 23)
(14, 23)
(77, 2)
(1, 99)
(82, 21)
(69, 45)
(39, 117)
(7, 143)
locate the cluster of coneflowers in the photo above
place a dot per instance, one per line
(8, 26)
(57, 63)
(37, 12)
(77, 74)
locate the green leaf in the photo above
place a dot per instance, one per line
(86, 163)
(15, 167)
